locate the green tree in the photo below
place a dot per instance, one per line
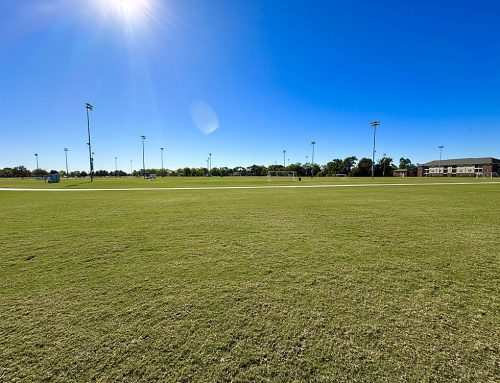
(364, 167)
(335, 166)
(404, 163)
(349, 164)
(385, 166)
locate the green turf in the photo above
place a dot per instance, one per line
(363, 284)
(138, 182)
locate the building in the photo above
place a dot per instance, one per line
(461, 167)
(400, 173)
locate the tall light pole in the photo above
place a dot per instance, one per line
(440, 147)
(207, 166)
(36, 157)
(383, 171)
(161, 149)
(305, 165)
(116, 166)
(89, 107)
(210, 165)
(66, 155)
(312, 158)
(143, 162)
(284, 153)
(131, 167)
(374, 125)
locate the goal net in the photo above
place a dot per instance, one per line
(491, 175)
(281, 174)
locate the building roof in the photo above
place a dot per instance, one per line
(464, 161)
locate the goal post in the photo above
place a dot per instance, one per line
(288, 174)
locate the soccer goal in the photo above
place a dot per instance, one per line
(281, 174)
(491, 175)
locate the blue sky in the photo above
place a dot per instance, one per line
(277, 74)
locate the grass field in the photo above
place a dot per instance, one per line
(362, 284)
(138, 182)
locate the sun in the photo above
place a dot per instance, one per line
(127, 9)
(132, 14)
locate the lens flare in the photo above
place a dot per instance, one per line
(204, 117)
(130, 14)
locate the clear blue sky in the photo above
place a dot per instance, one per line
(277, 74)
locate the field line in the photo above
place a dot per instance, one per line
(246, 187)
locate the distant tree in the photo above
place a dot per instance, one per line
(385, 167)
(83, 173)
(333, 167)
(101, 173)
(404, 163)
(275, 167)
(364, 167)
(20, 171)
(257, 170)
(6, 173)
(349, 164)
(40, 173)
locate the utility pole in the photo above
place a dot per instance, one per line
(440, 155)
(161, 149)
(91, 160)
(383, 171)
(312, 158)
(210, 165)
(143, 163)
(374, 125)
(66, 155)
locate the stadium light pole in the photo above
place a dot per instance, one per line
(130, 167)
(440, 147)
(383, 171)
(312, 158)
(116, 166)
(36, 158)
(161, 151)
(66, 155)
(89, 107)
(374, 125)
(305, 165)
(284, 154)
(143, 162)
(210, 165)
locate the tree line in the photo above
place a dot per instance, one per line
(349, 166)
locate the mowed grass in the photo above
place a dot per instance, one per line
(363, 284)
(172, 182)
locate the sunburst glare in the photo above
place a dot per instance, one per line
(131, 15)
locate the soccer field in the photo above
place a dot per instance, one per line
(364, 284)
